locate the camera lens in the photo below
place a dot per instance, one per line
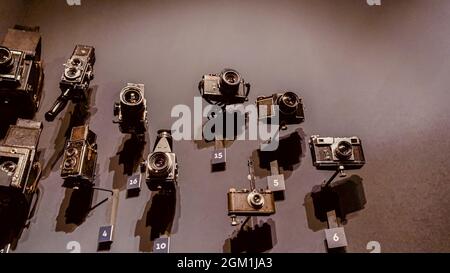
(255, 200)
(76, 62)
(5, 58)
(344, 150)
(70, 163)
(229, 82)
(131, 96)
(72, 73)
(71, 152)
(288, 103)
(8, 167)
(159, 164)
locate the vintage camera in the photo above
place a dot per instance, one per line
(290, 107)
(228, 87)
(131, 111)
(161, 167)
(21, 75)
(250, 203)
(80, 158)
(19, 177)
(332, 152)
(75, 80)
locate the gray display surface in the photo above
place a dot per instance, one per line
(378, 72)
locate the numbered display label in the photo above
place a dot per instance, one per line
(219, 156)
(276, 183)
(161, 245)
(336, 237)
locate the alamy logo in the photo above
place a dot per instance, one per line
(73, 2)
(234, 122)
(374, 2)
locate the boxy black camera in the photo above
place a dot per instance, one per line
(21, 75)
(131, 110)
(75, 80)
(225, 88)
(290, 107)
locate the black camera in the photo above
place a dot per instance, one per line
(75, 80)
(228, 87)
(250, 203)
(161, 167)
(332, 152)
(21, 75)
(131, 111)
(80, 158)
(290, 107)
(19, 177)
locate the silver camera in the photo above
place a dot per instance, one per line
(80, 158)
(250, 203)
(332, 152)
(161, 167)
(131, 111)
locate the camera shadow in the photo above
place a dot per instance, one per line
(160, 217)
(345, 197)
(74, 209)
(129, 155)
(291, 150)
(252, 239)
(75, 115)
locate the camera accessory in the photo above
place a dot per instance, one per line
(161, 167)
(75, 80)
(21, 74)
(19, 177)
(80, 158)
(131, 111)
(225, 88)
(290, 107)
(333, 152)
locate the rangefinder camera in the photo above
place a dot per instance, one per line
(250, 203)
(161, 167)
(21, 75)
(80, 158)
(332, 152)
(290, 107)
(228, 87)
(131, 111)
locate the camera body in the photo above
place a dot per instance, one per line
(290, 107)
(228, 87)
(19, 177)
(332, 152)
(250, 203)
(161, 167)
(21, 74)
(80, 158)
(131, 111)
(78, 71)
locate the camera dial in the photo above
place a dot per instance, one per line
(159, 164)
(5, 59)
(8, 167)
(230, 80)
(255, 199)
(344, 150)
(288, 103)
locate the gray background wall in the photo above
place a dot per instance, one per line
(10, 12)
(377, 72)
